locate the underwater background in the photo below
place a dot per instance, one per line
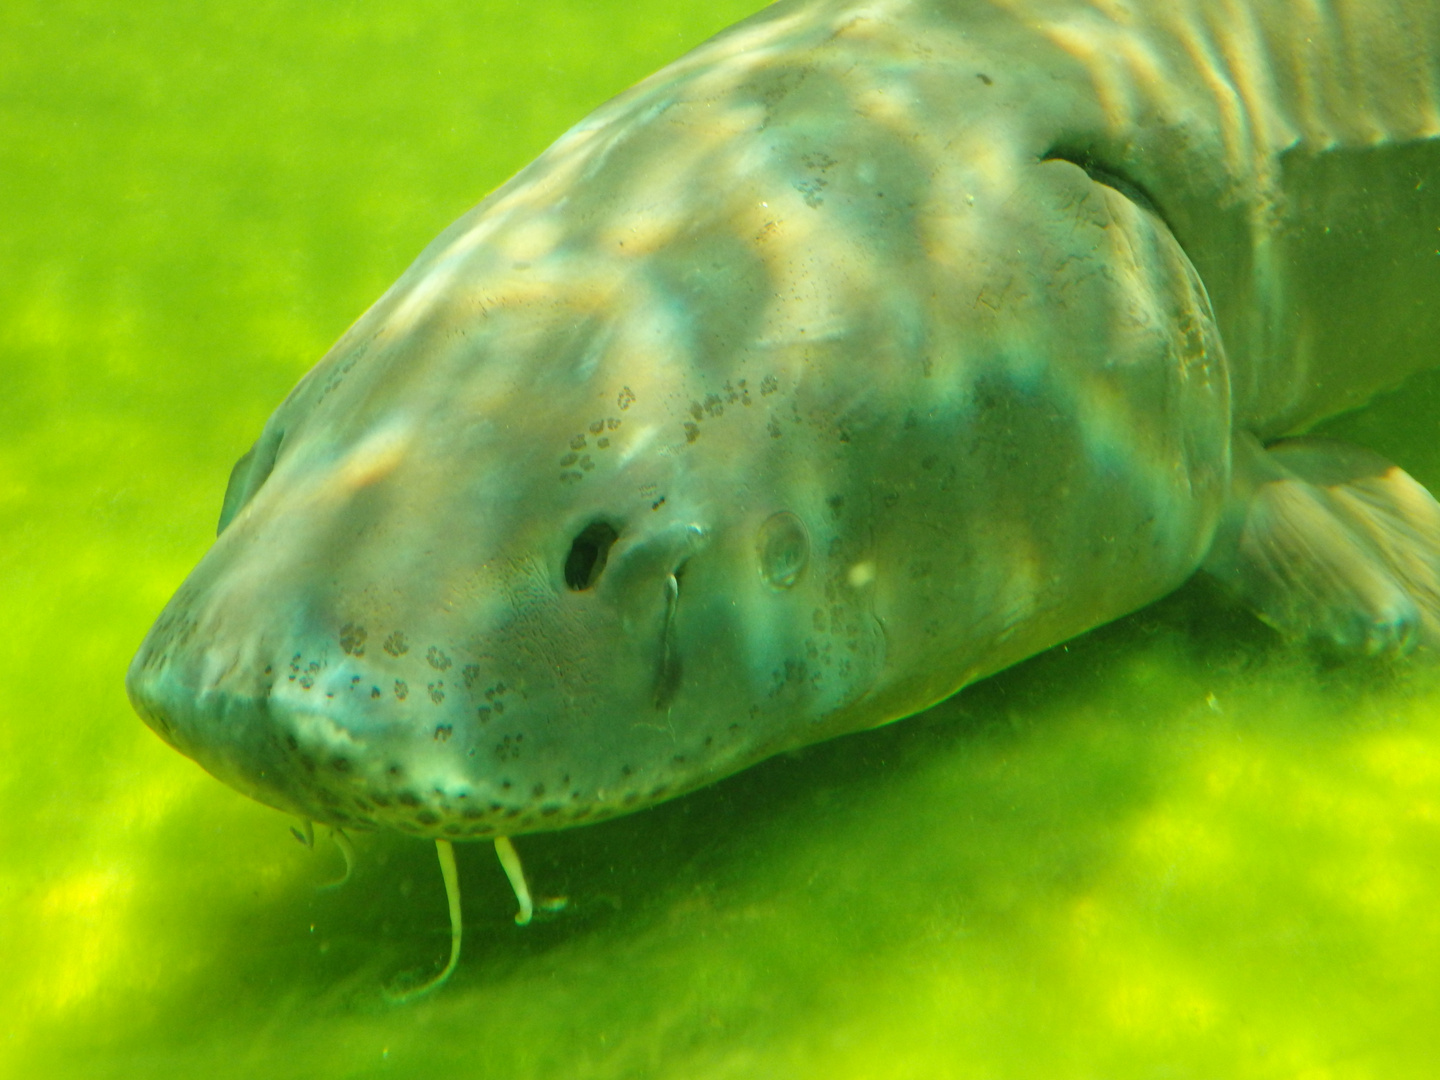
(1177, 847)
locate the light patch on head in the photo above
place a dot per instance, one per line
(1090, 41)
(647, 232)
(721, 83)
(1017, 600)
(818, 273)
(216, 666)
(746, 44)
(433, 288)
(532, 239)
(594, 355)
(867, 23)
(1243, 45)
(1166, 92)
(1429, 126)
(860, 574)
(991, 154)
(636, 442)
(472, 238)
(376, 457)
(1234, 127)
(678, 185)
(883, 104)
(651, 344)
(324, 735)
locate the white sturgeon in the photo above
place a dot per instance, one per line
(868, 349)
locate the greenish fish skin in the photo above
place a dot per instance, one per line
(861, 353)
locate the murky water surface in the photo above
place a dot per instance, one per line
(1175, 848)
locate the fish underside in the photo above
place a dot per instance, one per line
(864, 351)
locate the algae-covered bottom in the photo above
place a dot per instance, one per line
(1173, 848)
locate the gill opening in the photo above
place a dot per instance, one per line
(1104, 173)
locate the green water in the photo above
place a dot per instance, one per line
(1174, 849)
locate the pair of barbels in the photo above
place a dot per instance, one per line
(509, 862)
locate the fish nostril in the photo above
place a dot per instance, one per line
(667, 669)
(588, 553)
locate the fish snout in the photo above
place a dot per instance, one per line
(214, 706)
(351, 736)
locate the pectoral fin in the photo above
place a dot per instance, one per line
(1330, 542)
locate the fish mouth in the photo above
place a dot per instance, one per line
(326, 764)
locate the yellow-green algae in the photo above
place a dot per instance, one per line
(1175, 848)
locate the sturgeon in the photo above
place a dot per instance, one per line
(866, 350)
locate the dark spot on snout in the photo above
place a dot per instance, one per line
(352, 639)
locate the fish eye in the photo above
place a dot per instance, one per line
(588, 552)
(783, 546)
(252, 470)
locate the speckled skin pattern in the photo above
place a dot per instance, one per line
(881, 345)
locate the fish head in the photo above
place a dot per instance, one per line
(780, 398)
(510, 559)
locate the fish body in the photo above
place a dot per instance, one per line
(863, 352)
